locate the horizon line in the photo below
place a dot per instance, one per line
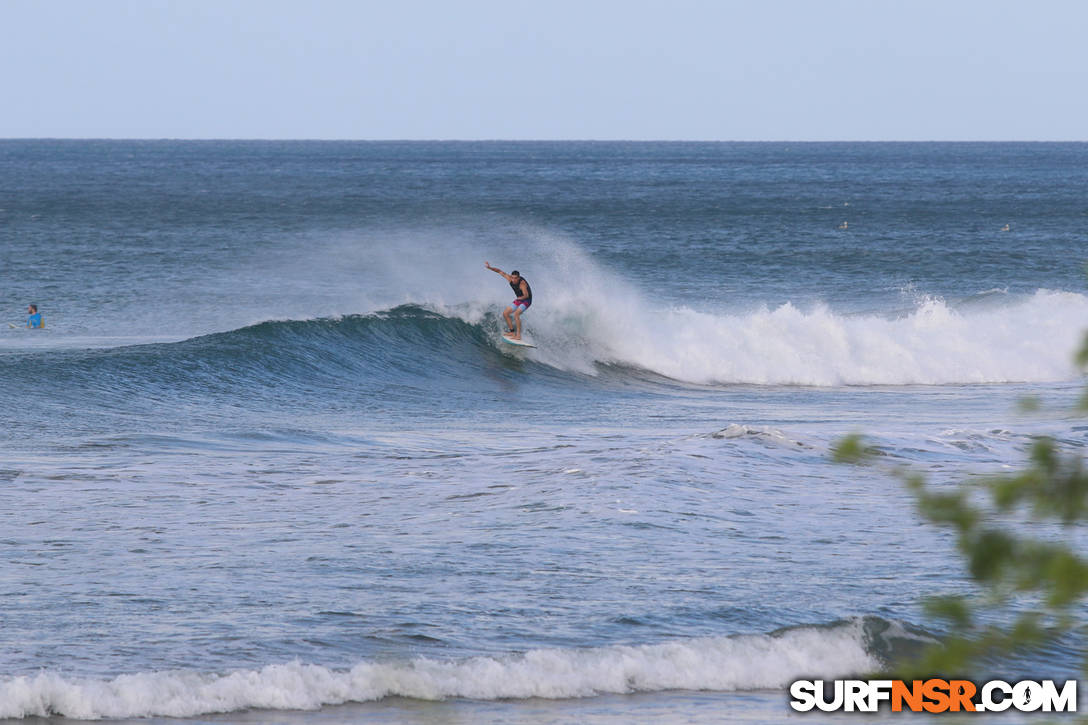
(523, 140)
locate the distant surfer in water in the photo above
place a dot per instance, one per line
(34, 318)
(524, 293)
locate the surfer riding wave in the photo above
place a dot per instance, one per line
(521, 303)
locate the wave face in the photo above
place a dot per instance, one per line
(406, 345)
(424, 309)
(744, 662)
(452, 349)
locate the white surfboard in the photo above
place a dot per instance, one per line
(519, 343)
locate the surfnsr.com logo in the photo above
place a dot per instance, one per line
(933, 695)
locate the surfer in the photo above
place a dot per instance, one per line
(34, 318)
(524, 292)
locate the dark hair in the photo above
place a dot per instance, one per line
(33, 307)
(515, 273)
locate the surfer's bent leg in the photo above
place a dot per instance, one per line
(519, 307)
(506, 316)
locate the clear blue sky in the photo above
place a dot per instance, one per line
(545, 69)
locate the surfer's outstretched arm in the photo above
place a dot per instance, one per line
(496, 270)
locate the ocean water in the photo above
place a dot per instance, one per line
(269, 460)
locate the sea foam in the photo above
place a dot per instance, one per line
(717, 663)
(1030, 339)
(586, 315)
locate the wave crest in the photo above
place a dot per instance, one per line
(739, 662)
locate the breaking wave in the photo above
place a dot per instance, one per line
(743, 662)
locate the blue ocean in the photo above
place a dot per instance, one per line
(269, 460)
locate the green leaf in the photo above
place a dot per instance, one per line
(852, 449)
(989, 555)
(951, 608)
